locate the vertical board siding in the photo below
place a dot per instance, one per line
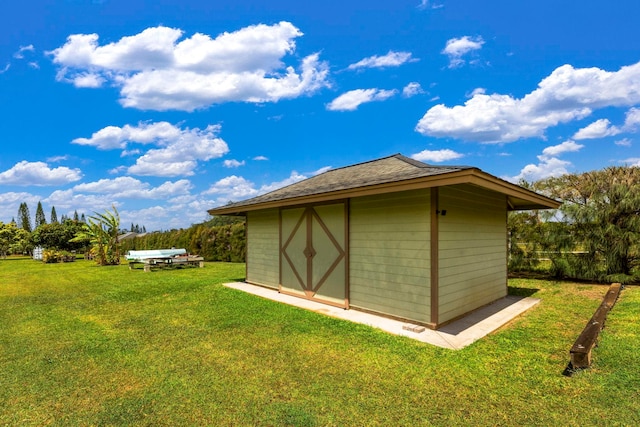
(263, 247)
(472, 257)
(389, 254)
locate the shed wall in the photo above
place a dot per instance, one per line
(263, 247)
(389, 254)
(472, 249)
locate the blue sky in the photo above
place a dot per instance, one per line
(168, 108)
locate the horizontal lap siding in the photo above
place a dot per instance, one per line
(472, 249)
(389, 254)
(262, 247)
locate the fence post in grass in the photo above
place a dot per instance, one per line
(581, 350)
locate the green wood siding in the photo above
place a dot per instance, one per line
(262, 247)
(472, 249)
(389, 254)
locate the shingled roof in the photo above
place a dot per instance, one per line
(388, 174)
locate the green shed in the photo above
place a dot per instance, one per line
(392, 236)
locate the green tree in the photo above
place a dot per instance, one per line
(58, 236)
(7, 237)
(40, 218)
(101, 230)
(54, 215)
(24, 217)
(601, 210)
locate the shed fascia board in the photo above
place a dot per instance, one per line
(520, 198)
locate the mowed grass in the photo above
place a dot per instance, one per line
(87, 345)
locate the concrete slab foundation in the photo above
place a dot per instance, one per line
(455, 335)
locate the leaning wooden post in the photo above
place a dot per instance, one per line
(581, 350)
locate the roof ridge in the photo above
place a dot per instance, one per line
(361, 163)
(420, 164)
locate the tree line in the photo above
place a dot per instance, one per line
(219, 239)
(594, 235)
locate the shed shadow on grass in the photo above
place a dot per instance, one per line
(521, 292)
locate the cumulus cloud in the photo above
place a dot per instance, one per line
(632, 120)
(260, 158)
(233, 163)
(412, 89)
(39, 174)
(603, 127)
(88, 203)
(235, 188)
(158, 69)
(10, 202)
(549, 164)
(456, 49)
(350, 101)
(565, 95)
(128, 187)
(179, 149)
(436, 155)
(391, 59)
(598, 129)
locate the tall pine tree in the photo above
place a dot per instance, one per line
(54, 215)
(40, 218)
(24, 217)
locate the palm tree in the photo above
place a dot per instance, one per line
(101, 230)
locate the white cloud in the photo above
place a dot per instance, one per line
(598, 129)
(89, 80)
(565, 95)
(566, 147)
(477, 91)
(632, 119)
(155, 70)
(260, 158)
(114, 137)
(179, 149)
(55, 159)
(128, 187)
(427, 4)
(550, 165)
(233, 163)
(632, 161)
(20, 53)
(624, 142)
(455, 49)
(350, 101)
(292, 179)
(39, 174)
(236, 188)
(391, 59)
(437, 155)
(5, 69)
(321, 170)
(412, 89)
(68, 200)
(10, 203)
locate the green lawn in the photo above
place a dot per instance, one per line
(87, 345)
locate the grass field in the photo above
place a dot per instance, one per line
(86, 345)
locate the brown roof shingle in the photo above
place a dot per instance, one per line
(392, 169)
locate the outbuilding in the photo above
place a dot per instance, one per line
(392, 236)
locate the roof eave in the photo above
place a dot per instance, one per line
(473, 176)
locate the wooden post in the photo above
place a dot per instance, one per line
(581, 350)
